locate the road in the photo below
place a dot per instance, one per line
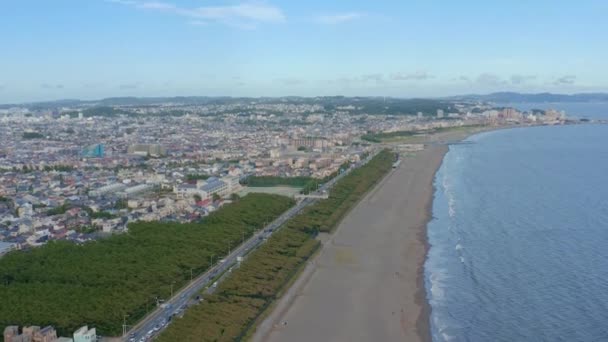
(158, 320)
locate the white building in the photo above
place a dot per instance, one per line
(84, 334)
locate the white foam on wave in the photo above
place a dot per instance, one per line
(462, 259)
(447, 191)
(458, 247)
(451, 206)
(441, 328)
(437, 292)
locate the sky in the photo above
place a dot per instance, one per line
(91, 49)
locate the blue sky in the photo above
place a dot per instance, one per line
(99, 48)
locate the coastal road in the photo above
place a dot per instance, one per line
(366, 284)
(160, 318)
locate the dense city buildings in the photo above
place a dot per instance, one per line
(78, 172)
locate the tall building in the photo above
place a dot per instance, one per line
(439, 114)
(147, 150)
(94, 151)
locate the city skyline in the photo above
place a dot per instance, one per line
(107, 48)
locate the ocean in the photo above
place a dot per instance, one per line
(519, 236)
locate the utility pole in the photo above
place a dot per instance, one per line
(243, 237)
(124, 325)
(171, 290)
(191, 274)
(211, 261)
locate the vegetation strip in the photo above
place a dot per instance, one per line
(98, 283)
(228, 314)
(384, 136)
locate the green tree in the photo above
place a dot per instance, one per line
(68, 285)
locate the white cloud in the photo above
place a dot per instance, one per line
(155, 5)
(338, 18)
(243, 15)
(133, 85)
(418, 75)
(461, 78)
(249, 11)
(372, 77)
(567, 79)
(51, 86)
(291, 81)
(122, 2)
(198, 23)
(490, 80)
(521, 79)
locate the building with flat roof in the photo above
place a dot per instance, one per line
(147, 150)
(64, 339)
(94, 151)
(84, 334)
(46, 334)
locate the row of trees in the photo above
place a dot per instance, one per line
(98, 283)
(267, 181)
(32, 135)
(230, 313)
(378, 137)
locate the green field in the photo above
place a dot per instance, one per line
(414, 136)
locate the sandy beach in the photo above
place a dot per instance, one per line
(367, 282)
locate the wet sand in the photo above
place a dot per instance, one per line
(367, 283)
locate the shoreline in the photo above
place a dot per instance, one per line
(423, 323)
(352, 262)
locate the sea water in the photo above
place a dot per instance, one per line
(519, 237)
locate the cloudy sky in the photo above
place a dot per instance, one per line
(99, 48)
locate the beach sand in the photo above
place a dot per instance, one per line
(367, 282)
